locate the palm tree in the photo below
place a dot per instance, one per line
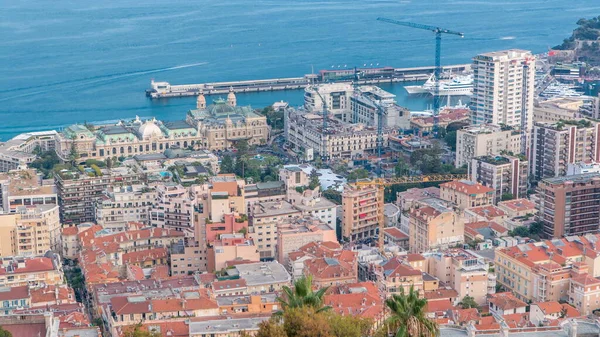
(302, 295)
(408, 315)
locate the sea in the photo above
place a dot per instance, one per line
(76, 61)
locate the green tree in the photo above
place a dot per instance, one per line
(427, 160)
(274, 118)
(450, 139)
(468, 302)
(137, 331)
(507, 196)
(360, 173)
(109, 163)
(519, 231)
(302, 295)
(227, 164)
(402, 168)
(5, 333)
(407, 315)
(333, 195)
(270, 328)
(314, 180)
(242, 147)
(536, 227)
(348, 326)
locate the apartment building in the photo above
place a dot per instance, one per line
(264, 192)
(397, 274)
(569, 205)
(31, 232)
(541, 271)
(336, 96)
(174, 208)
(433, 225)
(32, 271)
(263, 277)
(25, 188)
(504, 90)
(507, 175)
(466, 194)
(361, 216)
(485, 140)
(122, 204)
(365, 106)
(557, 109)
(226, 196)
(79, 192)
(464, 272)
(555, 146)
(263, 225)
(293, 233)
(230, 248)
(327, 262)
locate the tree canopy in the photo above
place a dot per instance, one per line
(407, 315)
(468, 302)
(5, 333)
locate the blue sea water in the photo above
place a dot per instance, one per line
(71, 61)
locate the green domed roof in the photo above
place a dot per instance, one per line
(220, 107)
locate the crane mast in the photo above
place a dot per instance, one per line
(438, 53)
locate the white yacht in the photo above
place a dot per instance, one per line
(458, 86)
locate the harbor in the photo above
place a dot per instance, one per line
(365, 76)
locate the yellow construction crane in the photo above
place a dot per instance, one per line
(382, 183)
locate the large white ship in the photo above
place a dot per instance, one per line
(458, 86)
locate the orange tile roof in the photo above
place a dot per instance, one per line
(229, 284)
(145, 255)
(359, 304)
(519, 320)
(125, 305)
(14, 293)
(172, 305)
(518, 205)
(466, 315)
(506, 301)
(489, 211)
(136, 272)
(439, 306)
(167, 329)
(487, 323)
(160, 272)
(73, 320)
(440, 294)
(395, 233)
(69, 231)
(548, 308)
(486, 224)
(467, 187)
(415, 257)
(53, 294)
(32, 265)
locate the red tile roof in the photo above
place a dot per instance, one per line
(440, 294)
(549, 307)
(32, 265)
(52, 294)
(439, 306)
(489, 211)
(125, 305)
(69, 231)
(467, 187)
(14, 293)
(145, 255)
(506, 301)
(229, 284)
(518, 205)
(466, 315)
(395, 233)
(517, 320)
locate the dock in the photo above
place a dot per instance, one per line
(366, 76)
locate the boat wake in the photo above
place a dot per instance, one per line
(91, 80)
(507, 38)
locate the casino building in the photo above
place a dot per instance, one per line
(214, 127)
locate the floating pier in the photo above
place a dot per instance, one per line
(366, 76)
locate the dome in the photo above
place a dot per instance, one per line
(149, 130)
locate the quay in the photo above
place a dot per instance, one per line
(366, 76)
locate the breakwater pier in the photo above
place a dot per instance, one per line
(364, 75)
